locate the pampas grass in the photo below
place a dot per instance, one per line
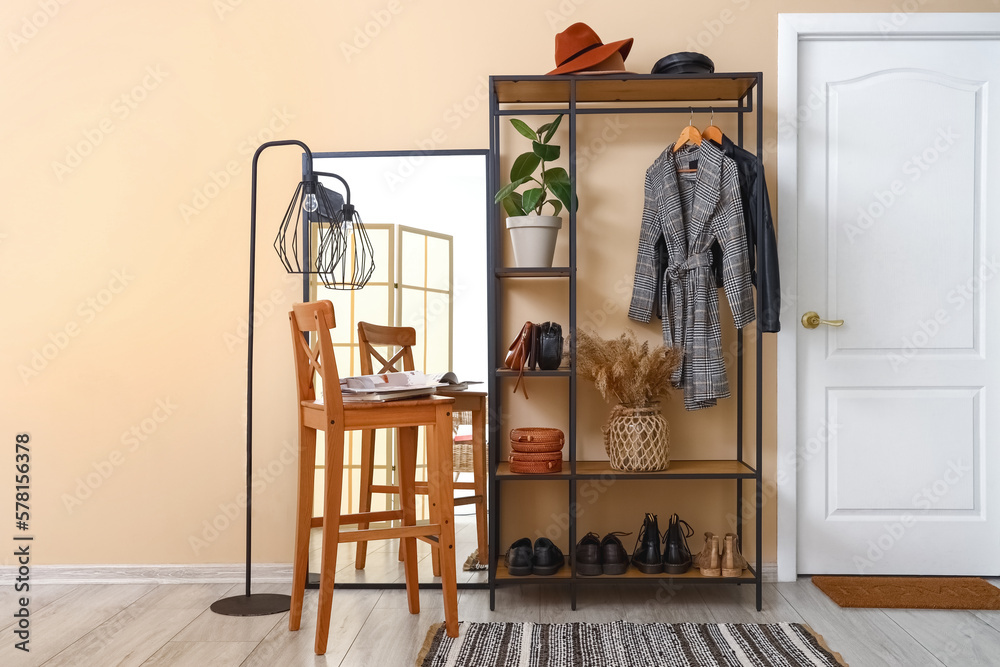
(623, 370)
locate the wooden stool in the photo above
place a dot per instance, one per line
(334, 417)
(473, 402)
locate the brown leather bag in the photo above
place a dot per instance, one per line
(519, 355)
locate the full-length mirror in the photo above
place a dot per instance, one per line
(425, 215)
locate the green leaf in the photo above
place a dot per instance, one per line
(556, 206)
(509, 188)
(512, 204)
(562, 192)
(523, 128)
(524, 165)
(544, 151)
(531, 198)
(549, 129)
(555, 175)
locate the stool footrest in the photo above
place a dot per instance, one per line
(388, 533)
(468, 500)
(370, 517)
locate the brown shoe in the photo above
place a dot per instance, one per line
(709, 560)
(733, 562)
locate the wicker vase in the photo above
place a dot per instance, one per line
(637, 439)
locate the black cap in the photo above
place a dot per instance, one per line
(686, 62)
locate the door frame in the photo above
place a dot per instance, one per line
(793, 29)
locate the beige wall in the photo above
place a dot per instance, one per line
(123, 239)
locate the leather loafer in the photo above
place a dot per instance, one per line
(646, 555)
(588, 555)
(614, 558)
(547, 558)
(519, 558)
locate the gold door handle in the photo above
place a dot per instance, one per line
(811, 320)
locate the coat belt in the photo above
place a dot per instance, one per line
(678, 269)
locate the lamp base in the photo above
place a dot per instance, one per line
(257, 604)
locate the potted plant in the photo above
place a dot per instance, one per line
(532, 234)
(634, 376)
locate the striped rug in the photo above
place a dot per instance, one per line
(623, 644)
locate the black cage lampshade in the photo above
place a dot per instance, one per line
(344, 256)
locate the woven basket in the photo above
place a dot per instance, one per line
(537, 463)
(637, 439)
(461, 454)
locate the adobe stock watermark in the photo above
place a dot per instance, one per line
(914, 168)
(365, 34)
(715, 27)
(926, 499)
(590, 492)
(120, 110)
(559, 18)
(453, 118)
(218, 180)
(262, 311)
(926, 330)
(263, 476)
(87, 312)
(900, 15)
(132, 440)
(34, 23)
(223, 8)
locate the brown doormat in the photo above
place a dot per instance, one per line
(910, 592)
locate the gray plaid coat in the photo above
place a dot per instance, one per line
(682, 215)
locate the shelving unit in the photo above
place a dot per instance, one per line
(573, 95)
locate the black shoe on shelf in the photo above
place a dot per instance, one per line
(614, 558)
(646, 555)
(518, 558)
(588, 555)
(676, 554)
(547, 559)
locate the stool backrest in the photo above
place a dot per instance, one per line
(370, 335)
(317, 318)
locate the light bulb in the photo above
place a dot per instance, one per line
(348, 227)
(310, 203)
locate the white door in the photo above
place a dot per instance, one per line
(897, 226)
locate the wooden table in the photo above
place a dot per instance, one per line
(475, 402)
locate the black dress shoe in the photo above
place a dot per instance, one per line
(614, 558)
(588, 555)
(547, 558)
(676, 555)
(518, 558)
(646, 556)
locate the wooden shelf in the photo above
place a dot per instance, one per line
(564, 574)
(540, 272)
(631, 575)
(623, 88)
(703, 469)
(691, 469)
(509, 373)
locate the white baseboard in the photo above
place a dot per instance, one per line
(268, 573)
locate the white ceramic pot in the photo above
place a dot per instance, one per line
(534, 239)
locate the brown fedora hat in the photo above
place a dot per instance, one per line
(579, 48)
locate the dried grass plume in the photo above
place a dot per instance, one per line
(623, 370)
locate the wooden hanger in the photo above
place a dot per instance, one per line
(712, 132)
(689, 133)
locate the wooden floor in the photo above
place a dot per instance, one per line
(148, 624)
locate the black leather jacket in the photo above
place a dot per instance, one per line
(764, 271)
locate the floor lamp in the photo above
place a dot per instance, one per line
(344, 260)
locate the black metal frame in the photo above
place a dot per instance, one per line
(745, 103)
